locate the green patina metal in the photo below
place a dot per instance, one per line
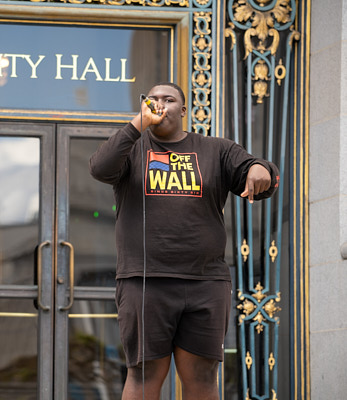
(260, 27)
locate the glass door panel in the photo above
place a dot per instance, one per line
(86, 318)
(19, 208)
(92, 218)
(96, 360)
(26, 233)
(18, 347)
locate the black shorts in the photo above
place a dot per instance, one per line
(190, 314)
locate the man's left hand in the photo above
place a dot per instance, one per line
(258, 181)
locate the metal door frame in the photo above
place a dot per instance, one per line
(63, 266)
(43, 291)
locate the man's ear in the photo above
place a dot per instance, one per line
(183, 111)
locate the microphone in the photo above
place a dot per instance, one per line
(149, 103)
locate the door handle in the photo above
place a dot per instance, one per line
(39, 275)
(72, 275)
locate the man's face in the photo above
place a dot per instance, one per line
(168, 97)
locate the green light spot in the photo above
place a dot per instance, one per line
(114, 207)
(96, 214)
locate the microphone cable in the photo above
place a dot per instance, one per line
(144, 254)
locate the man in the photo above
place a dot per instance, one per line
(187, 178)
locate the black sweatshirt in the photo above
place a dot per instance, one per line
(186, 186)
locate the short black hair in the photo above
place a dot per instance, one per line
(179, 90)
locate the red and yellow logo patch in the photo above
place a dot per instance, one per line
(173, 174)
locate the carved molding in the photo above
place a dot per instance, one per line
(202, 77)
(153, 3)
(150, 3)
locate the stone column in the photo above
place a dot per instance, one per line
(328, 199)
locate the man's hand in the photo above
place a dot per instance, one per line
(148, 118)
(258, 181)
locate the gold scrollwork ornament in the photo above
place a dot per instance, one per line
(201, 79)
(259, 318)
(182, 3)
(273, 251)
(200, 114)
(135, 1)
(270, 308)
(259, 295)
(280, 72)
(274, 395)
(262, 24)
(202, 52)
(260, 90)
(201, 43)
(247, 306)
(202, 20)
(261, 71)
(202, 2)
(248, 360)
(230, 32)
(272, 361)
(245, 250)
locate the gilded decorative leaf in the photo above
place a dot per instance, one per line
(284, 3)
(243, 13)
(275, 42)
(230, 32)
(261, 26)
(269, 20)
(248, 42)
(261, 71)
(281, 12)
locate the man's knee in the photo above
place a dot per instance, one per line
(154, 376)
(154, 371)
(205, 372)
(192, 368)
(200, 380)
(135, 374)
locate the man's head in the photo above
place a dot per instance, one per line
(179, 90)
(169, 96)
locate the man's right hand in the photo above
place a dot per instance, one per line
(148, 117)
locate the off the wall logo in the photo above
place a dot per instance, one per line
(173, 174)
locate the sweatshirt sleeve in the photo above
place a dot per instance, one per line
(237, 162)
(111, 161)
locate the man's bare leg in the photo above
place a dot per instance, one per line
(155, 374)
(198, 376)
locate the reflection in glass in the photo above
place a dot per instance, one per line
(92, 220)
(231, 369)
(96, 360)
(18, 349)
(231, 356)
(19, 208)
(4, 64)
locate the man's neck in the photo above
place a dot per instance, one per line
(178, 136)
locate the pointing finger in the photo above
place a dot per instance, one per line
(245, 192)
(250, 192)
